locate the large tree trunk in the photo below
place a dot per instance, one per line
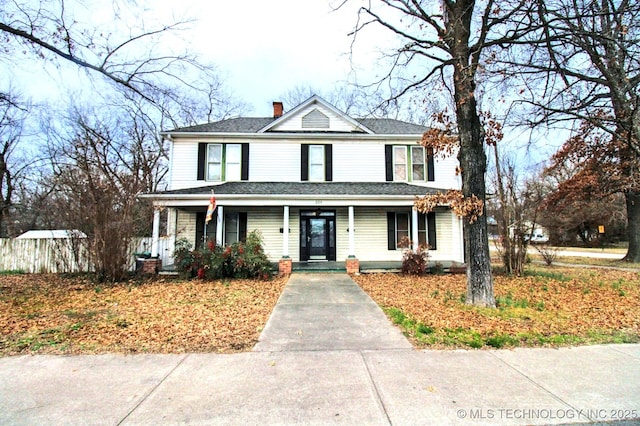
(473, 163)
(633, 225)
(473, 160)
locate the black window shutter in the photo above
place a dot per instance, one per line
(422, 223)
(431, 225)
(388, 162)
(431, 176)
(200, 216)
(202, 153)
(212, 227)
(328, 163)
(304, 163)
(242, 225)
(391, 230)
(245, 162)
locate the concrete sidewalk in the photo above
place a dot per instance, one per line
(293, 380)
(523, 386)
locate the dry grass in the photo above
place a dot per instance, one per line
(550, 306)
(51, 314)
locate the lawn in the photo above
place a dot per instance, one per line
(73, 315)
(574, 260)
(548, 307)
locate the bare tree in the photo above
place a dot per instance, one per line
(114, 159)
(584, 64)
(127, 52)
(516, 209)
(113, 150)
(351, 100)
(444, 47)
(12, 115)
(357, 102)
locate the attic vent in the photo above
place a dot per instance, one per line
(315, 120)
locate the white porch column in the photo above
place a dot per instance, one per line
(219, 224)
(414, 228)
(285, 232)
(352, 233)
(155, 235)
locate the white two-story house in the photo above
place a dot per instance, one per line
(319, 185)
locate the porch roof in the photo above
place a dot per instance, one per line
(305, 189)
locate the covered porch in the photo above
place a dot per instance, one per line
(314, 226)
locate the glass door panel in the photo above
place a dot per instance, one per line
(318, 234)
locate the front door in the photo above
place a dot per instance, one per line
(317, 235)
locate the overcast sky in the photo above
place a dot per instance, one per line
(266, 48)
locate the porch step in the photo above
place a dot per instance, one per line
(318, 267)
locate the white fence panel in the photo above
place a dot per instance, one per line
(66, 255)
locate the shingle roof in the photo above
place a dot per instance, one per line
(231, 125)
(385, 126)
(308, 188)
(388, 126)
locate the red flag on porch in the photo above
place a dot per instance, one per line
(211, 209)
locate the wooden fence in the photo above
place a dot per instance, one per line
(57, 255)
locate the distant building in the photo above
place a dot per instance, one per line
(52, 233)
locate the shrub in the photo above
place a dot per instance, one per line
(549, 254)
(184, 257)
(414, 262)
(239, 260)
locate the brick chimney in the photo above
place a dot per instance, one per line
(278, 109)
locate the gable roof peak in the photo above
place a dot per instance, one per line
(314, 100)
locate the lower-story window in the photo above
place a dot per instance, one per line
(399, 226)
(402, 229)
(235, 227)
(427, 230)
(231, 228)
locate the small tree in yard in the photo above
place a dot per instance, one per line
(549, 253)
(97, 177)
(516, 209)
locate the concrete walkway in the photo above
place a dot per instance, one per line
(292, 379)
(327, 312)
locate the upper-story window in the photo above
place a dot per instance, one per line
(223, 162)
(408, 164)
(400, 163)
(417, 163)
(214, 162)
(233, 158)
(316, 163)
